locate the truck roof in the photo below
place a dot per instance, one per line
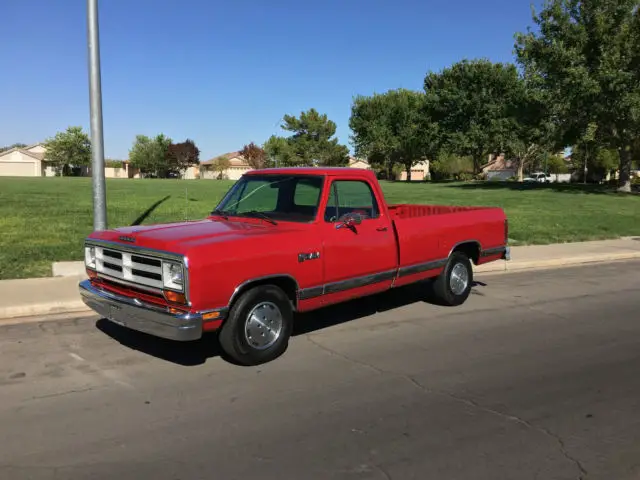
(327, 171)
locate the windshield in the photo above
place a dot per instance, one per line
(287, 198)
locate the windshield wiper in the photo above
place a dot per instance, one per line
(221, 213)
(262, 215)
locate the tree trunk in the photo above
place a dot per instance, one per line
(520, 170)
(407, 167)
(624, 179)
(390, 171)
(477, 163)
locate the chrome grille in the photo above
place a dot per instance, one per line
(130, 267)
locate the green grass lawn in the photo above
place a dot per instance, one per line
(43, 220)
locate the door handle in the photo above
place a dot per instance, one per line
(382, 229)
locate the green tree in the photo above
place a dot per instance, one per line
(556, 165)
(310, 142)
(150, 155)
(473, 103)
(392, 128)
(586, 54)
(373, 136)
(531, 130)
(219, 165)
(599, 161)
(71, 148)
(280, 153)
(449, 166)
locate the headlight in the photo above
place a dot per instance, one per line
(90, 257)
(172, 276)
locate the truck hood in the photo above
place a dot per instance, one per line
(179, 237)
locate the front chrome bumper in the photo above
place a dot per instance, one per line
(507, 253)
(143, 317)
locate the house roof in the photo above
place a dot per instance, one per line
(37, 156)
(353, 160)
(499, 163)
(235, 159)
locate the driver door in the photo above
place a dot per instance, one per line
(361, 258)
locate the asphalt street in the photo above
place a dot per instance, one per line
(537, 376)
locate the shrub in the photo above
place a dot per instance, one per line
(113, 164)
(449, 166)
(463, 176)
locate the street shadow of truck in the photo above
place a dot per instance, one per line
(199, 351)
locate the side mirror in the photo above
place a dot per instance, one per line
(350, 220)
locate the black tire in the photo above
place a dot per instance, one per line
(236, 343)
(442, 285)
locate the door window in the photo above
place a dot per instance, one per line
(351, 196)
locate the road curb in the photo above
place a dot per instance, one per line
(42, 309)
(503, 267)
(17, 314)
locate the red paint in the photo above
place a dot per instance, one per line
(223, 254)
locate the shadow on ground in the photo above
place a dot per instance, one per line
(149, 211)
(550, 187)
(199, 351)
(187, 354)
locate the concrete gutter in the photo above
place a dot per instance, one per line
(36, 297)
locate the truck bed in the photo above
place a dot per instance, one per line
(427, 233)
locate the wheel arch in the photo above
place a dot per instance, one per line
(471, 248)
(287, 283)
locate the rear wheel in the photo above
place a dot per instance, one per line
(453, 286)
(259, 326)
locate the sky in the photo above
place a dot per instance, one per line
(225, 73)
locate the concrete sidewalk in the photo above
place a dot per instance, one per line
(59, 295)
(40, 296)
(564, 254)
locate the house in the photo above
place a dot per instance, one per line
(499, 168)
(123, 171)
(419, 172)
(359, 163)
(25, 162)
(30, 162)
(238, 166)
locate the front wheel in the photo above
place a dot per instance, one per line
(259, 326)
(453, 285)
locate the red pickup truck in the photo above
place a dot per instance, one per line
(283, 241)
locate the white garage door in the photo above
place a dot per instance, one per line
(17, 169)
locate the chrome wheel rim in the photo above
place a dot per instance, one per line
(459, 279)
(263, 325)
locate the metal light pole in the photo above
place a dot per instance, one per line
(95, 99)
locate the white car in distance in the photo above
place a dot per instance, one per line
(540, 177)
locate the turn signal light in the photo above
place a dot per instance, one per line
(174, 297)
(210, 315)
